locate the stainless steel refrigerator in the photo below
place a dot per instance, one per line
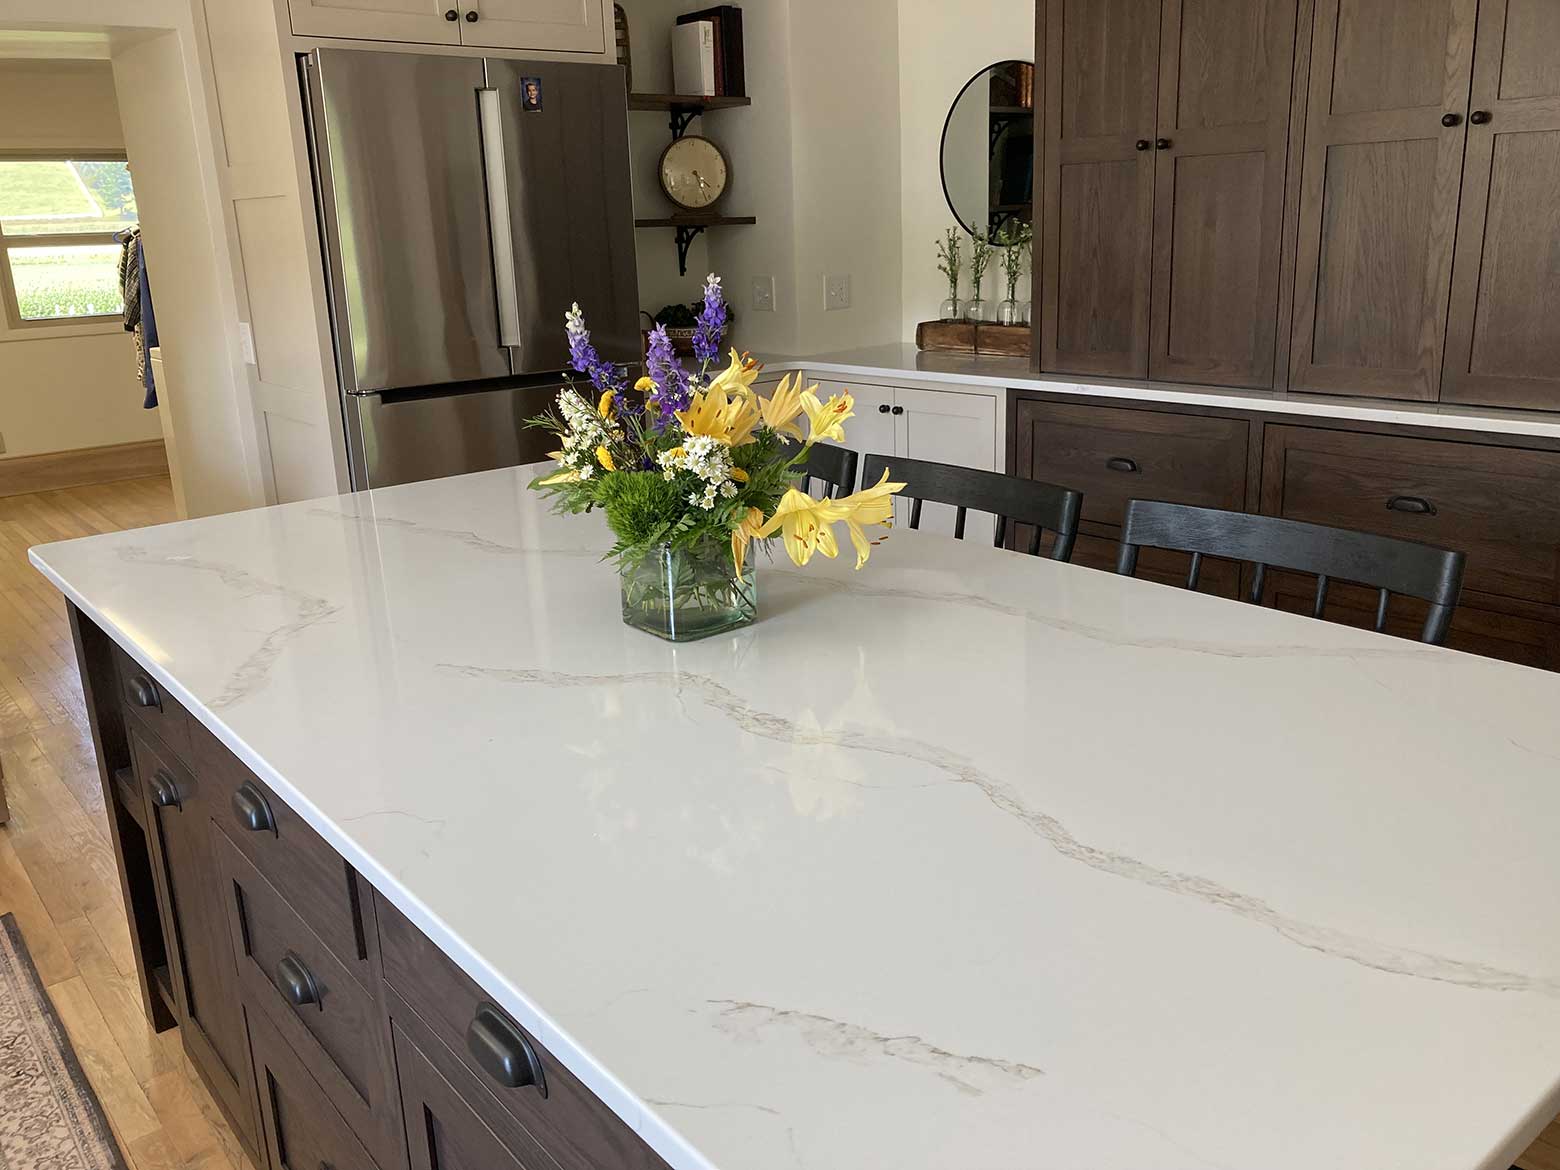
(465, 203)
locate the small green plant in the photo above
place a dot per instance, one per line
(980, 260)
(1018, 239)
(950, 261)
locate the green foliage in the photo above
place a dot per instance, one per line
(949, 262)
(637, 504)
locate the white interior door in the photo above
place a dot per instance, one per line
(564, 26)
(943, 427)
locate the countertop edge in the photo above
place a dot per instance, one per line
(660, 1135)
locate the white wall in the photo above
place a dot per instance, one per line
(940, 48)
(70, 386)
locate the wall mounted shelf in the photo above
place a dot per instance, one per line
(682, 107)
(690, 227)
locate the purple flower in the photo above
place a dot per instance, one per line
(673, 391)
(584, 358)
(712, 322)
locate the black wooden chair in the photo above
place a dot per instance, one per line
(1010, 499)
(1384, 563)
(834, 467)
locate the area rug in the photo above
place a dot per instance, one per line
(49, 1116)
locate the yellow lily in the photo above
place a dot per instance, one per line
(568, 475)
(739, 475)
(714, 414)
(806, 524)
(605, 407)
(647, 385)
(604, 457)
(873, 505)
(737, 379)
(742, 535)
(781, 410)
(826, 419)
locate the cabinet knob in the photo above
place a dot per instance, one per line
(885, 408)
(1143, 144)
(1451, 119)
(1414, 505)
(503, 1052)
(143, 691)
(253, 810)
(1161, 144)
(298, 983)
(451, 14)
(899, 410)
(1479, 117)
(471, 17)
(1117, 463)
(165, 791)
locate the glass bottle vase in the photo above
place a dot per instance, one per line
(684, 594)
(950, 310)
(977, 312)
(1010, 312)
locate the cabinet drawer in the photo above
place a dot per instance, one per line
(1113, 455)
(310, 875)
(1499, 505)
(329, 1020)
(146, 700)
(569, 1122)
(301, 1130)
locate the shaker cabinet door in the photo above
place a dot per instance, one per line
(565, 26)
(1223, 129)
(1503, 339)
(1385, 132)
(420, 21)
(1095, 250)
(942, 427)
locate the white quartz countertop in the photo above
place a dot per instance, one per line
(969, 861)
(900, 363)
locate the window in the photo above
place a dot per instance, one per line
(58, 216)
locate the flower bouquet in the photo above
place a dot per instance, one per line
(690, 469)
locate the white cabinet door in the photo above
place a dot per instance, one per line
(565, 26)
(421, 21)
(943, 427)
(871, 432)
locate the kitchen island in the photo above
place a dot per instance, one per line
(969, 859)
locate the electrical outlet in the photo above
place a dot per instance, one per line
(836, 292)
(763, 294)
(246, 343)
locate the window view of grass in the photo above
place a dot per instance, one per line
(49, 197)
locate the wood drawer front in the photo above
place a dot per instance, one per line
(453, 1121)
(310, 875)
(570, 1123)
(1185, 459)
(339, 1038)
(301, 1130)
(146, 700)
(1499, 505)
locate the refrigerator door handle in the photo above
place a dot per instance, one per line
(501, 225)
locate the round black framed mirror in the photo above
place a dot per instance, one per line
(988, 150)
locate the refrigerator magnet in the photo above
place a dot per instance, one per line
(531, 95)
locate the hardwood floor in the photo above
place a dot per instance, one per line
(56, 864)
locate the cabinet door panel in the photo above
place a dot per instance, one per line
(1503, 339)
(1101, 81)
(941, 427)
(1219, 184)
(1379, 195)
(570, 26)
(421, 21)
(871, 432)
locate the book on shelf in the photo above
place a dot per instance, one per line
(730, 68)
(693, 58)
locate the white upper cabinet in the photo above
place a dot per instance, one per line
(553, 26)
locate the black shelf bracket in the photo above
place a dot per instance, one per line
(685, 237)
(682, 117)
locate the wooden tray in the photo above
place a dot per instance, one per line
(963, 337)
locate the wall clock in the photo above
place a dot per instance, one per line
(694, 173)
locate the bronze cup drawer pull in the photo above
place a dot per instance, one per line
(1414, 505)
(253, 810)
(298, 983)
(143, 692)
(1120, 464)
(165, 791)
(502, 1052)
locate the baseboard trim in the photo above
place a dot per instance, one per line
(63, 469)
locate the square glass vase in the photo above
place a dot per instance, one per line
(684, 594)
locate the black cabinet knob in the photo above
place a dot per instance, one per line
(143, 692)
(1451, 119)
(1143, 144)
(1479, 117)
(165, 791)
(471, 18)
(899, 410)
(298, 983)
(885, 408)
(1161, 144)
(1413, 505)
(253, 810)
(503, 1052)
(1119, 464)
(451, 14)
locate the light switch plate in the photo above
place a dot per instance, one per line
(836, 292)
(246, 343)
(763, 294)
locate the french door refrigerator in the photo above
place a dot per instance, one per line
(464, 204)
